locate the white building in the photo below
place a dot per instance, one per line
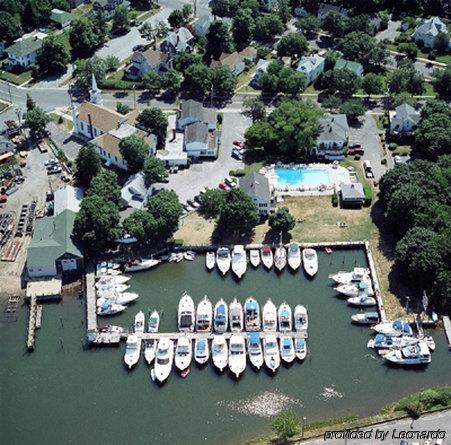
(24, 51)
(404, 119)
(427, 31)
(135, 194)
(200, 141)
(67, 198)
(257, 187)
(332, 137)
(311, 67)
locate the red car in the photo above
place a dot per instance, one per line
(3, 199)
(238, 143)
(356, 151)
(223, 186)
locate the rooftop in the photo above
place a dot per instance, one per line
(333, 127)
(67, 198)
(24, 47)
(256, 185)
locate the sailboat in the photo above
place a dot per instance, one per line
(239, 261)
(223, 260)
(186, 314)
(221, 317)
(267, 257)
(294, 256)
(310, 260)
(285, 318)
(236, 316)
(252, 320)
(204, 315)
(183, 353)
(210, 260)
(287, 349)
(269, 316)
(280, 256)
(271, 352)
(219, 352)
(300, 318)
(254, 257)
(255, 349)
(237, 355)
(201, 351)
(132, 350)
(163, 359)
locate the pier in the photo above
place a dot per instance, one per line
(32, 323)
(447, 327)
(90, 293)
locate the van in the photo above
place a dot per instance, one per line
(368, 169)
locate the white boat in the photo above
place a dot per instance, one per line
(239, 261)
(111, 328)
(393, 328)
(186, 314)
(285, 318)
(280, 258)
(118, 298)
(300, 347)
(104, 272)
(310, 260)
(300, 318)
(254, 257)
(183, 353)
(365, 318)
(252, 321)
(163, 359)
(417, 354)
(294, 256)
(362, 300)
(267, 257)
(254, 347)
(153, 322)
(111, 287)
(132, 350)
(109, 308)
(236, 316)
(204, 315)
(150, 348)
(237, 355)
(223, 260)
(430, 342)
(219, 352)
(139, 265)
(269, 317)
(112, 279)
(139, 325)
(287, 349)
(108, 265)
(356, 276)
(271, 352)
(189, 256)
(210, 260)
(387, 342)
(201, 351)
(353, 289)
(221, 317)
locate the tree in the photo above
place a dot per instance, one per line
(283, 10)
(122, 108)
(121, 20)
(10, 28)
(243, 28)
(238, 213)
(83, 38)
(285, 425)
(187, 11)
(86, 68)
(403, 98)
(442, 82)
(147, 31)
(373, 84)
(37, 121)
(171, 81)
(176, 18)
(410, 49)
(291, 82)
(162, 29)
(211, 202)
(223, 81)
(134, 150)
(105, 185)
(30, 15)
(220, 8)
(433, 136)
(259, 134)
(140, 224)
(405, 79)
(111, 63)
(254, 109)
(218, 39)
(30, 102)
(154, 170)
(183, 60)
(152, 81)
(197, 80)
(87, 165)
(442, 41)
(281, 220)
(342, 82)
(154, 121)
(361, 47)
(53, 56)
(335, 24)
(353, 108)
(267, 27)
(292, 45)
(309, 24)
(100, 27)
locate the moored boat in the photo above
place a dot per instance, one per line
(118, 298)
(236, 318)
(201, 351)
(301, 348)
(287, 349)
(150, 348)
(239, 261)
(109, 308)
(112, 279)
(255, 349)
(271, 352)
(310, 261)
(365, 318)
(269, 316)
(139, 322)
(252, 320)
(204, 315)
(300, 318)
(219, 352)
(111, 287)
(154, 322)
(237, 354)
(353, 289)
(362, 300)
(280, 258)
(356, 276)
(183, 353)
(387, 342)
(393, 328)
(210, 260)
(417, 354)
(132, 350)
(186, 314)
(223, 260)
(267, 257)
(294, 256)
(163, 359)
(189, 255)
(285, 318)
(254, 257)
(139, 265)
(221, 317)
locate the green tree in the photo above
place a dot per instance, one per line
(211, 202)
(187, 11)
(140, 224)
(223, 81)
(152, 81)
(100, 27)
(147, 31)
(433, 136)
(442, 41)
(105, 185)
(335, 24)
(154, 170)
(361, 47)
(30, 15)
(403, 98)
(87, 165)
(220, 8)
(281, 220)
(122, 108)
(405, 79)
(410, 49)
(243, 28)
(197, 80)
(86, 68)
(442, 81)
(154, 121)
(353, 108)
(373, 84)
(254, 108)
(53, 56)
(30, 102)
(344, 83)
(291, 82)
(218, 39)
(121, 20)
(83, 38)
(292, 45)
(285, 425)
(309, 24)
(10, 28)
(37, 121)
(267, 27)
(134, 150)
(171, 81)
(112, 63)
(183, 60)
(259, 134)
(283, 10)
(176, 18)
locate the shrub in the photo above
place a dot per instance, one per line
(178, 242)
(335, 199)
(414, 409)
(60, 120)
(392, 146)
(122, 108)
(219, 118)
(285, 425)
(384, 161)
(368, 191)
(357, 157)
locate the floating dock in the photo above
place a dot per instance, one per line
(447, 326)
(32, 323)
(90, 294)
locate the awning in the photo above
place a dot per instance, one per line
(254, 338)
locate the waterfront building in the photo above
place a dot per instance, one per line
(257, 187)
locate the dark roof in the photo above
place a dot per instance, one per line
(25, 47)
(191, 108)
(256, 185)
(197, 132)
(333, 127)
(153, 57)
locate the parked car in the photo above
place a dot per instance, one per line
(397, 160)
(237, 155)
(367, 168)
(238, 143)
(223, 186)
(50, 162)
(230, 182)
(54, 170)
(3, 198)
(356, 150)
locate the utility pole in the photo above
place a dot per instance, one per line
(9, 91)
(134, 97)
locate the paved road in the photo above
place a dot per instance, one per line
(432, 422)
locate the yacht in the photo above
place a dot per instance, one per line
(239, 261)
(236, 316)
(108, 265)
(353, 290)
(139, 265)
(104, 272)
(112, 280)
(287, 349)
(362, 300)
(301, 348)
(223, 259)
(163, 359)
(201, 351)
(386, 342)
(118, 298)
(204, 315)
(300, 318)
(310, 260)
(183, 353)
(237, 355)
(252, 320)
(154, 322)
(280, 258)
(139, 322)
(210, 260)
(219, 352)
(110, 287)
(221, 317)
(271, 352)
(285, 318)
(417, 354)
(294, 256)
(269, 316)
(254, 257)
(150, 348)
(393, 328)
(267, 257)
(186, 314)
(132, 350)
(109, 308)
(356, 276)
(365, 318)
(255, 350)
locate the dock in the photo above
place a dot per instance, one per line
(376, 288)
(31, 336)
(90, 294)
(46, 289)
(38, 316)
(447, 327)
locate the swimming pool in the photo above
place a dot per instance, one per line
(306, 177)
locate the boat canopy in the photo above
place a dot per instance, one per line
(220, 310)
(363, 285)
(201, 345)
(286, 343)
(252, 305)
(397, 325)
(406, 328)
(294, 246)
(153, 320)
(254, 338)
(300, 342)
(105, 305)
(266, 249)
(372, 315)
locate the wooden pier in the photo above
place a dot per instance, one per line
(90, 294)
(38, 316)
(32, 323)
(376, 288)
(447, 327)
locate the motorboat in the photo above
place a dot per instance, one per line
(237, 354)
(150, 348)
(239, 261)
(365, 318)
(154, 322)
(300, 318)
(223, 259)
(254, 347)
(310, 261)
(267, 256)
(201, 351)
(252, 320)
(221, 317)
(387, 342)
(353, 289)
(430, 342)
(254, 257)
(111, 287)
(269, 316)
(111, 328)
(219, 352)
(139, 322)
(287, 349)
(132, 350)
(186, 314)
(271, 352)
(417, 354)
(356, 276)
(189, 255)
(280, 258)
(294, 256)
(104, 272)
(362, 300)
(163, 359)
(210, 260)
(236, 318)
(285, 318)
(300, 348)
(183, 353)
(139, 265)
(204, 315)
(393, 328)
(176, 257)
(109, 308)
(118, 298)
(112, 279)
(108, 265)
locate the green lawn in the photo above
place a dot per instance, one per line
(3, 106)
(429, 90)
(116, 81)
(16, 79)
(82, 9)
(444, 59)
(402, 150)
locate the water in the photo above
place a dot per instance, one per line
(310, 177)
(71, 395)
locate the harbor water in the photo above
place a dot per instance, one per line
(65, 393)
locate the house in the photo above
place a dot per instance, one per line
(67, 198)
(311, 67)
(352, 195)
(233, 61)
(108, 6)
(177, 41)
(60, 18)
(52, 250)
(257, 187)
(201, 25)
(143, 62)
(135, 194)
(192, 111)
(173, 154)
(300, 11)
(404, 119)
(261, 68)
(332, 136)
(427, 31)
(24, 51)
(355, 67)
(325, 9)
(200, 141)
(248, 54)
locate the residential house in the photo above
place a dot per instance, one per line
(352, 195)
(300, 11)
(325, 9)
(134, 193)
(177, 41)
(311, 67)
(404, 119)
(108, 6)
(261, 68)
(233, 61)
(427, 31)
(201, 25)
(67, 198)
(355, 67)
(332, 137)
(248, 54)
(192, 111)
(173, 154)
(200, 141)
(143, 62)
(24, 51)
(60, 18)
(257, 187)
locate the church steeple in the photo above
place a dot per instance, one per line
(95, 95)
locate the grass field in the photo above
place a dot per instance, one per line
(16, 79)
